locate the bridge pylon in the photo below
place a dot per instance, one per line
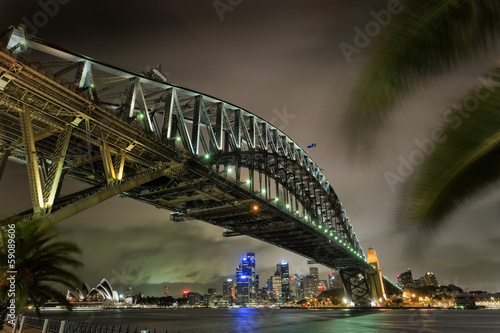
(357, 286)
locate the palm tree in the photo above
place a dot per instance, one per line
(41, 264)
(425, 39)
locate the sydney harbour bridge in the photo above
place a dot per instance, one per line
(63, 114)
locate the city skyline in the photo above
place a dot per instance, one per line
(293, 62)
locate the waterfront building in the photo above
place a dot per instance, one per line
(322, 286)
(309, 286)
(314, 272)
(246, 280)
(335, 281)
(405, 279)
(228, 290)
(102, 292)
(193, 298)
(276, 290)
(294, 287)
(429, 279)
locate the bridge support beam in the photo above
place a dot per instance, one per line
(34, 178)
(100, 195)
(357, 286)
(4, 156)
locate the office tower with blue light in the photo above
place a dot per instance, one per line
(284, 270)
(246, 280)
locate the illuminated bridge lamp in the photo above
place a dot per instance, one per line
(255, 207)
(287, 206)
(276, 199)
(229, 170)
(178, 138)
(248, 181)
(263, 191)
(140, 116)
(207, 156)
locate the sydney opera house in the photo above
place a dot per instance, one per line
(100, 293)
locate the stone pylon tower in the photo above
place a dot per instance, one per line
(376, 281)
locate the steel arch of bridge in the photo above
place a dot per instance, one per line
(65, 114)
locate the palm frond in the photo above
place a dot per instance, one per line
(461, 166)
(427, 38)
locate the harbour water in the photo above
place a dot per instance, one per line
(252, 320)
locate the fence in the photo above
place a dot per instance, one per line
(58, 325)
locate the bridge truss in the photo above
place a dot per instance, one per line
(67, 115)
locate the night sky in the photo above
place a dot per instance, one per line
(280, 60)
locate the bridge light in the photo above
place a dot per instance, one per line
(263, 191)
(229, 170)
(287, 206)
(247, 181)
(276, 199)
(297, 212)
(140, 116)
(178, 138)
(207, 156)
(256, 207)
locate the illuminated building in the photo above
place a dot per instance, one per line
(246, 280)
(429, 279)
(313, 271)
(193, 298)
(228, 290)
(335, 281)
(294, 287)
(405, 279)
(309, 286)
(276, 287)
(284, 271)
(102, 292)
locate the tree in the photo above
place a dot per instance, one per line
(41, 264)
(425, 39)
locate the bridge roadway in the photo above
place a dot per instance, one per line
(63, 114)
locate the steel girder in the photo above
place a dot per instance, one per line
(122, 124)
(204, 124)
(357, 286)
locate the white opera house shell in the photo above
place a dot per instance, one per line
(102, 292)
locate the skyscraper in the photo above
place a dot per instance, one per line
(284, 271)
(335, 281)
(313, 271)
(228, 290)
(277, 293)
(405, 279)
(246, 280)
